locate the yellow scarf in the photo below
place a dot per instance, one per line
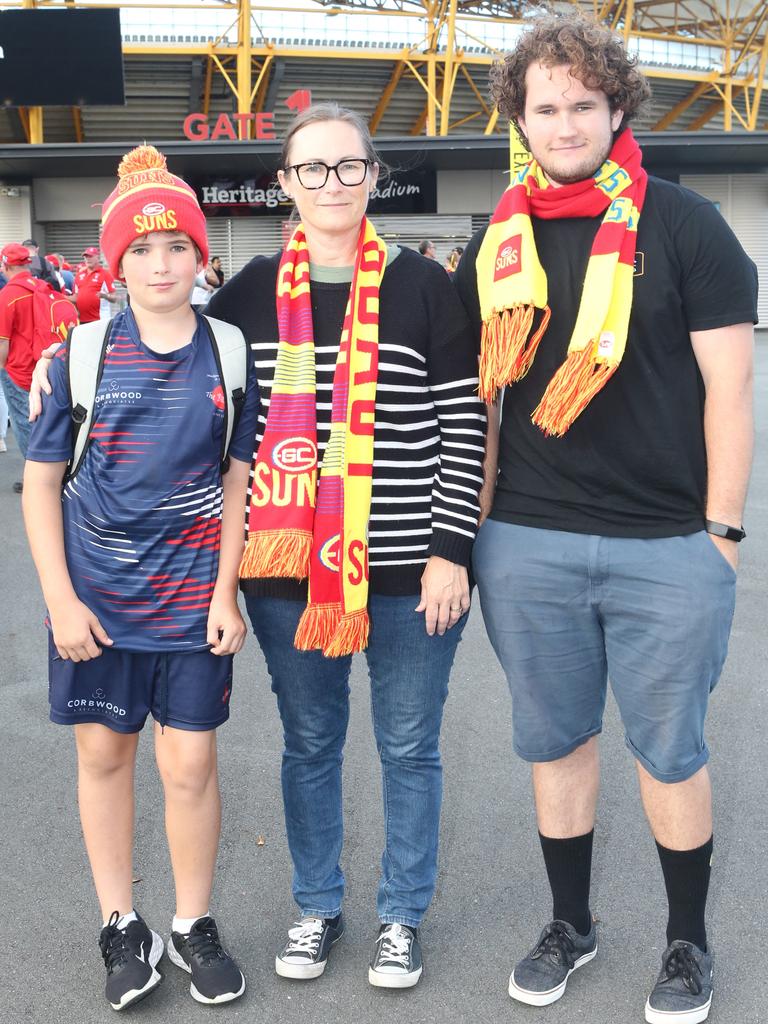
(512, 284)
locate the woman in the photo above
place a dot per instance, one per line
(401, 474)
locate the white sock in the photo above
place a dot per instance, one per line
(125, 920)
(183, 925)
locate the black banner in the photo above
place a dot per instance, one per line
(401, 192)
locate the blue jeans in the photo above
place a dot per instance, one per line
(18, 409)
(409, 683)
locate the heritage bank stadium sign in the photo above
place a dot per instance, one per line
(409, 191)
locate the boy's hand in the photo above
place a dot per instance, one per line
(77, 632)
(226, 628)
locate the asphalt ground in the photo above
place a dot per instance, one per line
(492, 897)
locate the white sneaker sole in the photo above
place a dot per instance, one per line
(695, 1016)
(225, 997)
(523, 995)
(393, 979)
(298, 971)
(155, 955)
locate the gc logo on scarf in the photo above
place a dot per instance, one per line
(508, 258)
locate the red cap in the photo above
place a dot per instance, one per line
(148, 198)
(53, 259)
(92, 250)
(14, 255)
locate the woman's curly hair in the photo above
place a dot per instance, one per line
(594, 53)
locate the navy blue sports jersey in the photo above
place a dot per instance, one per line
(142, 518)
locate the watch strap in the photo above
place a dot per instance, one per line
(737, 533)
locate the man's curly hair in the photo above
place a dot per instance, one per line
(594, 53)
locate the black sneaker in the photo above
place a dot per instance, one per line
(130, 955)
(396, 961)
(216, 978)
(540, 978)
(683, 992)
(308, 948)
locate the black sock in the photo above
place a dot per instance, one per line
(686, 877)
(569, 867)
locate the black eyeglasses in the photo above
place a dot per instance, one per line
(315, 173)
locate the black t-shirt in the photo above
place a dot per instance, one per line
(633, 464)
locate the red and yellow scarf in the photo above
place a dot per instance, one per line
(512, 284)
(297, 527)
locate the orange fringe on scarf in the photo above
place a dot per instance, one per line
(323, 626)
(506, 351)
(317, 626)
(571, 389)
(276, 553)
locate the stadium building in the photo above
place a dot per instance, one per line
(215, 83)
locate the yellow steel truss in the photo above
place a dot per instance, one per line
(735, 31)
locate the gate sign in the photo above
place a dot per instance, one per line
(198, 128)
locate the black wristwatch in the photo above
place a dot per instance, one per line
(737, 533)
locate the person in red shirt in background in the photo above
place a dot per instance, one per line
(94, 287)
(17, 350)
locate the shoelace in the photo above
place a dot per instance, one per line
(681, 963)
(557, 943)
(112, 943)
(305, 936)
(203, 941)
(395, 945)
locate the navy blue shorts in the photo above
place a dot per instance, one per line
(565, 612)
(120, 688)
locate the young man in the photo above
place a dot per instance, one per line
(617, 310)
(138, 565)
(18, 352)
(94, 287)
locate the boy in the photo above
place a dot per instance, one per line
(138, 565)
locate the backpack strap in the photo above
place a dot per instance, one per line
(232, 355)
(86, 350)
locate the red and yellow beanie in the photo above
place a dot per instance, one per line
(148, 198)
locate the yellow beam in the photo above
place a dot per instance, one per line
(24, 118)
(34, 114)
(706, 116)
(418, 125)
(476, 91)
(759, 86)
(260, 78)
(432, 79)
(679, 108)
(425, 85)
(207, 88)
(77, 123)
(490, 128)
(243, 91)
(465, 120)
(449, 73)
(386, 96)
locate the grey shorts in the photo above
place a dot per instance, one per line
(565, 612)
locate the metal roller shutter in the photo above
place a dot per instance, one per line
(14, 215)
(70, 237)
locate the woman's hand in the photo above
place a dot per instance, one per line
(40, 381)
(444, 594)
